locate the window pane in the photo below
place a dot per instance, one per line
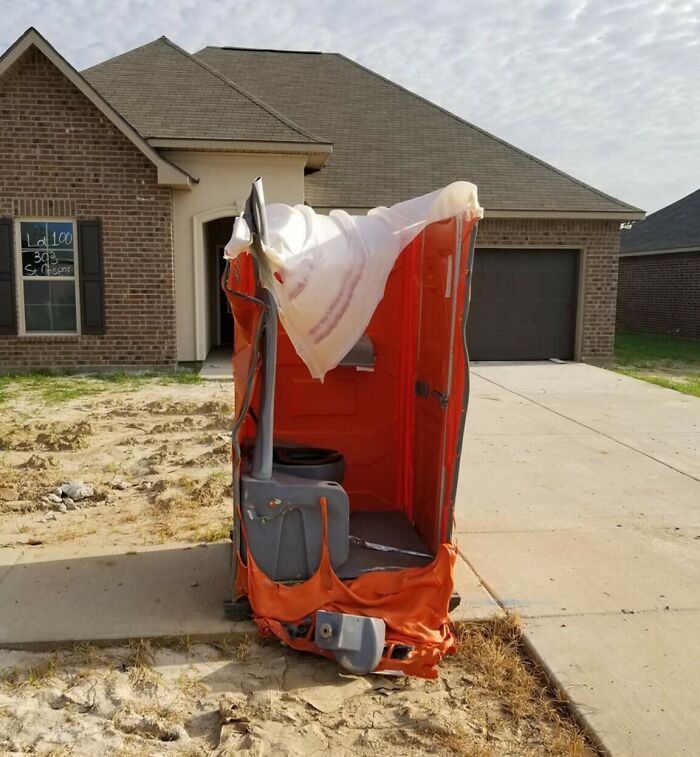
(37, 317)
(59, 235)
(63, 293)
(47, 263)
(62, 264)
(32, 235)
(49, 306)
(37, 292)
(48, 249)
(63, 317)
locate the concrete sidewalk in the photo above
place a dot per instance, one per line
(579, 508)
(57, 596)
(217, 366)
(60, 595)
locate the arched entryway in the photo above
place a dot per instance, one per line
(211, 230)
(219, 324)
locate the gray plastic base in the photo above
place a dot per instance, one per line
(282, 519)
(356, 642)
(391, 528)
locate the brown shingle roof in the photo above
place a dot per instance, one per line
(390, 144)
(164, 92)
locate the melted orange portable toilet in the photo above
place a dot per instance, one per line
(344, 491)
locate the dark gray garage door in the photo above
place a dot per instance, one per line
(523, 305)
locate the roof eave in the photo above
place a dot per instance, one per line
(592, 215)
(633, 214)
(662, 251)
(316, 153)
(168, 174)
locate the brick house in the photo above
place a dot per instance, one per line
(119, 185)
(659, 282)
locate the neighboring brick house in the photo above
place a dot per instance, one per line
(118, 187)
(659, 281)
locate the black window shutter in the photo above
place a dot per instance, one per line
(8, 307)
(92, 311)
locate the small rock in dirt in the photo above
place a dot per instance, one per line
(52, 497)
(8, 493)
(49, 516)
(59, 507)
(76, 490)
(58, 491)
(68, 504)
(55, 698)
(120, 484)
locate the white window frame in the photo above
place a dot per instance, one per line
(20, 278)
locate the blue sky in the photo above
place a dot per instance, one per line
(607, 90)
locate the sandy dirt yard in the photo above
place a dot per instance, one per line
(154, 456)
(258, 698)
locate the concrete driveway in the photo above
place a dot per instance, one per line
(579, 508)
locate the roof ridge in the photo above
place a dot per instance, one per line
(263, 50)
(214, 72)
(124, 54)
(623, 205)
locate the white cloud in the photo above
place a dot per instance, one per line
(607, 92)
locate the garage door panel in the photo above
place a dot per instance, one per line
(523, 304)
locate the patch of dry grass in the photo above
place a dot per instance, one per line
(492, 655)
(139, 655)
(235, 648)
(71, 533)
(191, 685)
(83, 654)
(151, 721)
(211, 491)
(454, 739)
(12, 679)
(214, 533)
(185, 508)
(139, 666)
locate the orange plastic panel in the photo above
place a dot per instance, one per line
(362, 414)
(400, 449)
(413, 603)
(441, 373)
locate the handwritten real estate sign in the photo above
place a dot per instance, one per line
(47, 249)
